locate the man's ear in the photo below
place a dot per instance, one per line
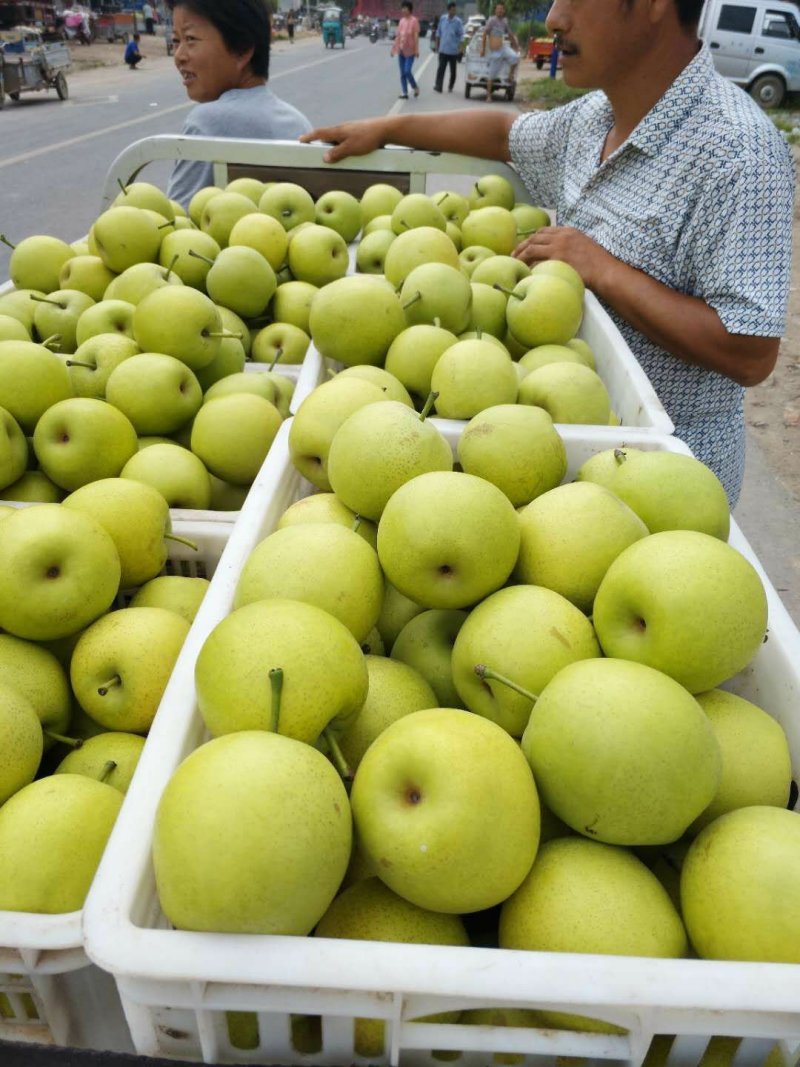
(243, 58)
(661, 10)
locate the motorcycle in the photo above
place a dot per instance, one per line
(373, 34)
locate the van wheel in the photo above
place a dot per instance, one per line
(467, 91)
(768, 91)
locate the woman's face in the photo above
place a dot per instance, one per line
(206, 65)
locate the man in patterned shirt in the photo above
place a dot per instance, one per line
(673, 197)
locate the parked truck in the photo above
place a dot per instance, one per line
(755, 43)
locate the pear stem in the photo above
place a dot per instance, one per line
(437, 322)
(47, 300)
(53, 341)
(276, 690)
(103, 689)
(122, 187)
(171, 267)
(620, 456)
(432, 397)
(163, 225)
(356, 523)
(108, 769)
(72, 742)
(276, 357)
(486, 674)
(417, 296)
(478, 332)
(342, 766)
(222, 333)
(6, 241)
(77, 363)
(197, 255)
(181, 540)
(508, 292)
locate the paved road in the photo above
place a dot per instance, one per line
(54, 156)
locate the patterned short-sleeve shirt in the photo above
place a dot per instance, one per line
(700, 197)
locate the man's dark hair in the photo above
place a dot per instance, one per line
(689, 12)
(242, 24)
(451, 4)
(407, 5)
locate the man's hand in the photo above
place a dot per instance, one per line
(349, 138)
(588, 258)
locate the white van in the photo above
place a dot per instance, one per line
(755, 43)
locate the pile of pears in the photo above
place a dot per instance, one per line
(137, 338)
(90, 630)
(462, 700)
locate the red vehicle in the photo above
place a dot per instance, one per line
(540, 49)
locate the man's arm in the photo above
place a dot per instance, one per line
(685, 326)
(469, 133)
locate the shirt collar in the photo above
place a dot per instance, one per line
(685, 93)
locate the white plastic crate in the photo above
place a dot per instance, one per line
(176, 986)
(50, 993)
(633, 398)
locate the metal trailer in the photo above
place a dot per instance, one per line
(43, 67)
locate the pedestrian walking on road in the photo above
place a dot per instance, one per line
(149, 19)
(133, 57)
(290, 25)
(448, 40)
(222, 54)
(406, 48)
(499, 44)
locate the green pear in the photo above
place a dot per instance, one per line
(447, 539)
(370, 911)
(178, 474)
(181, 322)
(570, 536)
(570, 392)
(667, 490)
(199, 201)
(259, 384)
(289, 203)
(380, 222)
(392, 387)
(34, 487)
(92, 362)
(395, 690)
(529, 219)
(21, 741)
(470, 256)
(372, 645)
(317, 254)
(318, 419)
(355, 319)
(109, 316)
(446, 807)
(437, 291)
(523, 632)
(488, 313)
(17, 304)
(135, 516)
(36, 262)
(756, 762)
(225, 496)
(221, 212)
(557, 268)
(291, 303)
(57, 315)
(549, 312)
(453, 206)
(252, 835)
(36, 674)
(81, 440)
(122, 663)
(52, 835)
(13, 450)
(740, 887)
(157, 393)
(233, 434)
(426, 644)
(424, 244)
(492, 226)
(138, 281)
(583, 896)
(230, 360)
(454, 233)
(109, 757)
(471, 376)
(502, 271)
(124, 236)
(327, 508)
(145, 195)
(379, 199)
(88, 274)
(323, 669)
(515, 448)
(253, 188)
(397, 610)
(685, 603)
(379, 448)
(577, 344)
(59, 571)
(280, 342)
(621, 752)
(414, 210)
(413, 355)
(341, 212)
(317, 563)
(176, 254)
(262, 233)
(491, 190)
(372, 250)
(11, 329)
(173, 592)
(241, 279)
(544, 354)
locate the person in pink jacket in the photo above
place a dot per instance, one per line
(406, 48)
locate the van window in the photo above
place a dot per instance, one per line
(780, 24)
(736, 19)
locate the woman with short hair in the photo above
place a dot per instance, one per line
(222, 54)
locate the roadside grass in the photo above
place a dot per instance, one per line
(788, 121)
(547, 93)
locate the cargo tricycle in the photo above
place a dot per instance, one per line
(35, 67)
